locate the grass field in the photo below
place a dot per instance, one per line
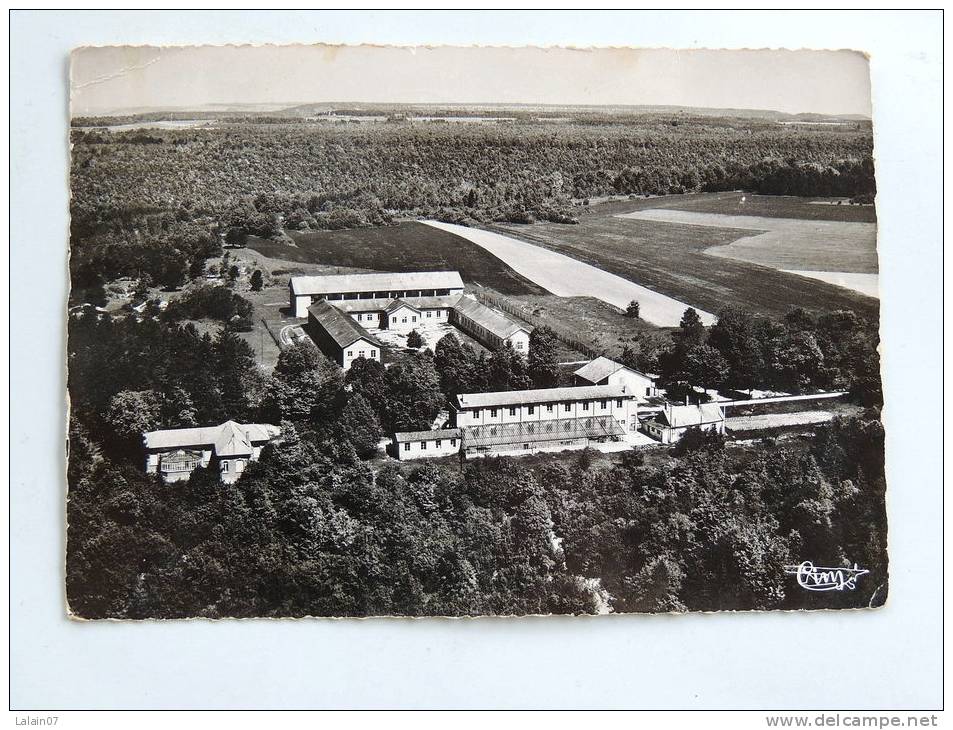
(767, 206)
(669, 257)
(784, 243)
(409, 246)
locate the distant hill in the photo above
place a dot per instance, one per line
(298, 110)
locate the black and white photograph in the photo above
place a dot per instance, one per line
(340, 344)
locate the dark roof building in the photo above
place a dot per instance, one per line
(339, 337)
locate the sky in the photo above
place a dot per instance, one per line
(106, 80)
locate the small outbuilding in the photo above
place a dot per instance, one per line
(426, 444)
(671, 423)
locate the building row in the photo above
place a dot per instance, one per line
(345, 310)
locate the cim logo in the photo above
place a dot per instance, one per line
(816, 578)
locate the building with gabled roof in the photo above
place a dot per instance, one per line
(603, 371)
(304, 290)
(176, 453)
(670, 424)
(339, 337)
(488, 326)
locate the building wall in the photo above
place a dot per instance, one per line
(230, 469)
(624, 410)
(403, 319)
(639, 384)
(520, 342)
(368, 320)
(361, 348)
(427, 449)
(668, 435)
(299, 304)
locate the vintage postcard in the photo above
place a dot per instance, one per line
(469, 331)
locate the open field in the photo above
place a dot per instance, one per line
(737, 203)
(669, 258)
(784, 243)
(569, 276)
(409, 246)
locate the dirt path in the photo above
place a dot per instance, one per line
(567, 277)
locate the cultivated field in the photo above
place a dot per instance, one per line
(669, 258)
(784, 243)
(409, 246)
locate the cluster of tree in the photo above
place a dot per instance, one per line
(212, 302)
(310, 529)
(128, 376)
(167, 248)
(715, 528)
(849, 178)
(258, 177)
(463, 370)
(804, 352)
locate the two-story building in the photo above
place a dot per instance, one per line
(339, 336)
(603, 371)
(546, 418)
(176, 453)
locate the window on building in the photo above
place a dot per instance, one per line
(549, 408)
(423, 445)
(224, 466)
(648, 391)
(603, 404)
(350, 353)
(531, 410)
(439, 314)
(618, 402)
(453, 442)
(429, 314)
(519, 345)
(567, 407)
(403, 320)
(407, 446)
(413, 319)
(373, 353)
(512, 411)
(437, 443)
(493, 413)
(393, 320)
(585, 405)
(360, 353)
(476, 412)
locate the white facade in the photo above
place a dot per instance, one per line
(426, 444)
(520, 341)
(623, 409)
(360, 348)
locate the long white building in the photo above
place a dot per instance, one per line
(547, 418)
(305, 290)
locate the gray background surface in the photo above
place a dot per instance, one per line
(884, 659)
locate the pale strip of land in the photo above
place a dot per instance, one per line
(568, 277)
(778, 420)
(786, 244)
(868, 284)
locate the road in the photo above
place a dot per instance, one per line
(567, 277)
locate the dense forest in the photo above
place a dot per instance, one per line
(321, 526)
(160, 202)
